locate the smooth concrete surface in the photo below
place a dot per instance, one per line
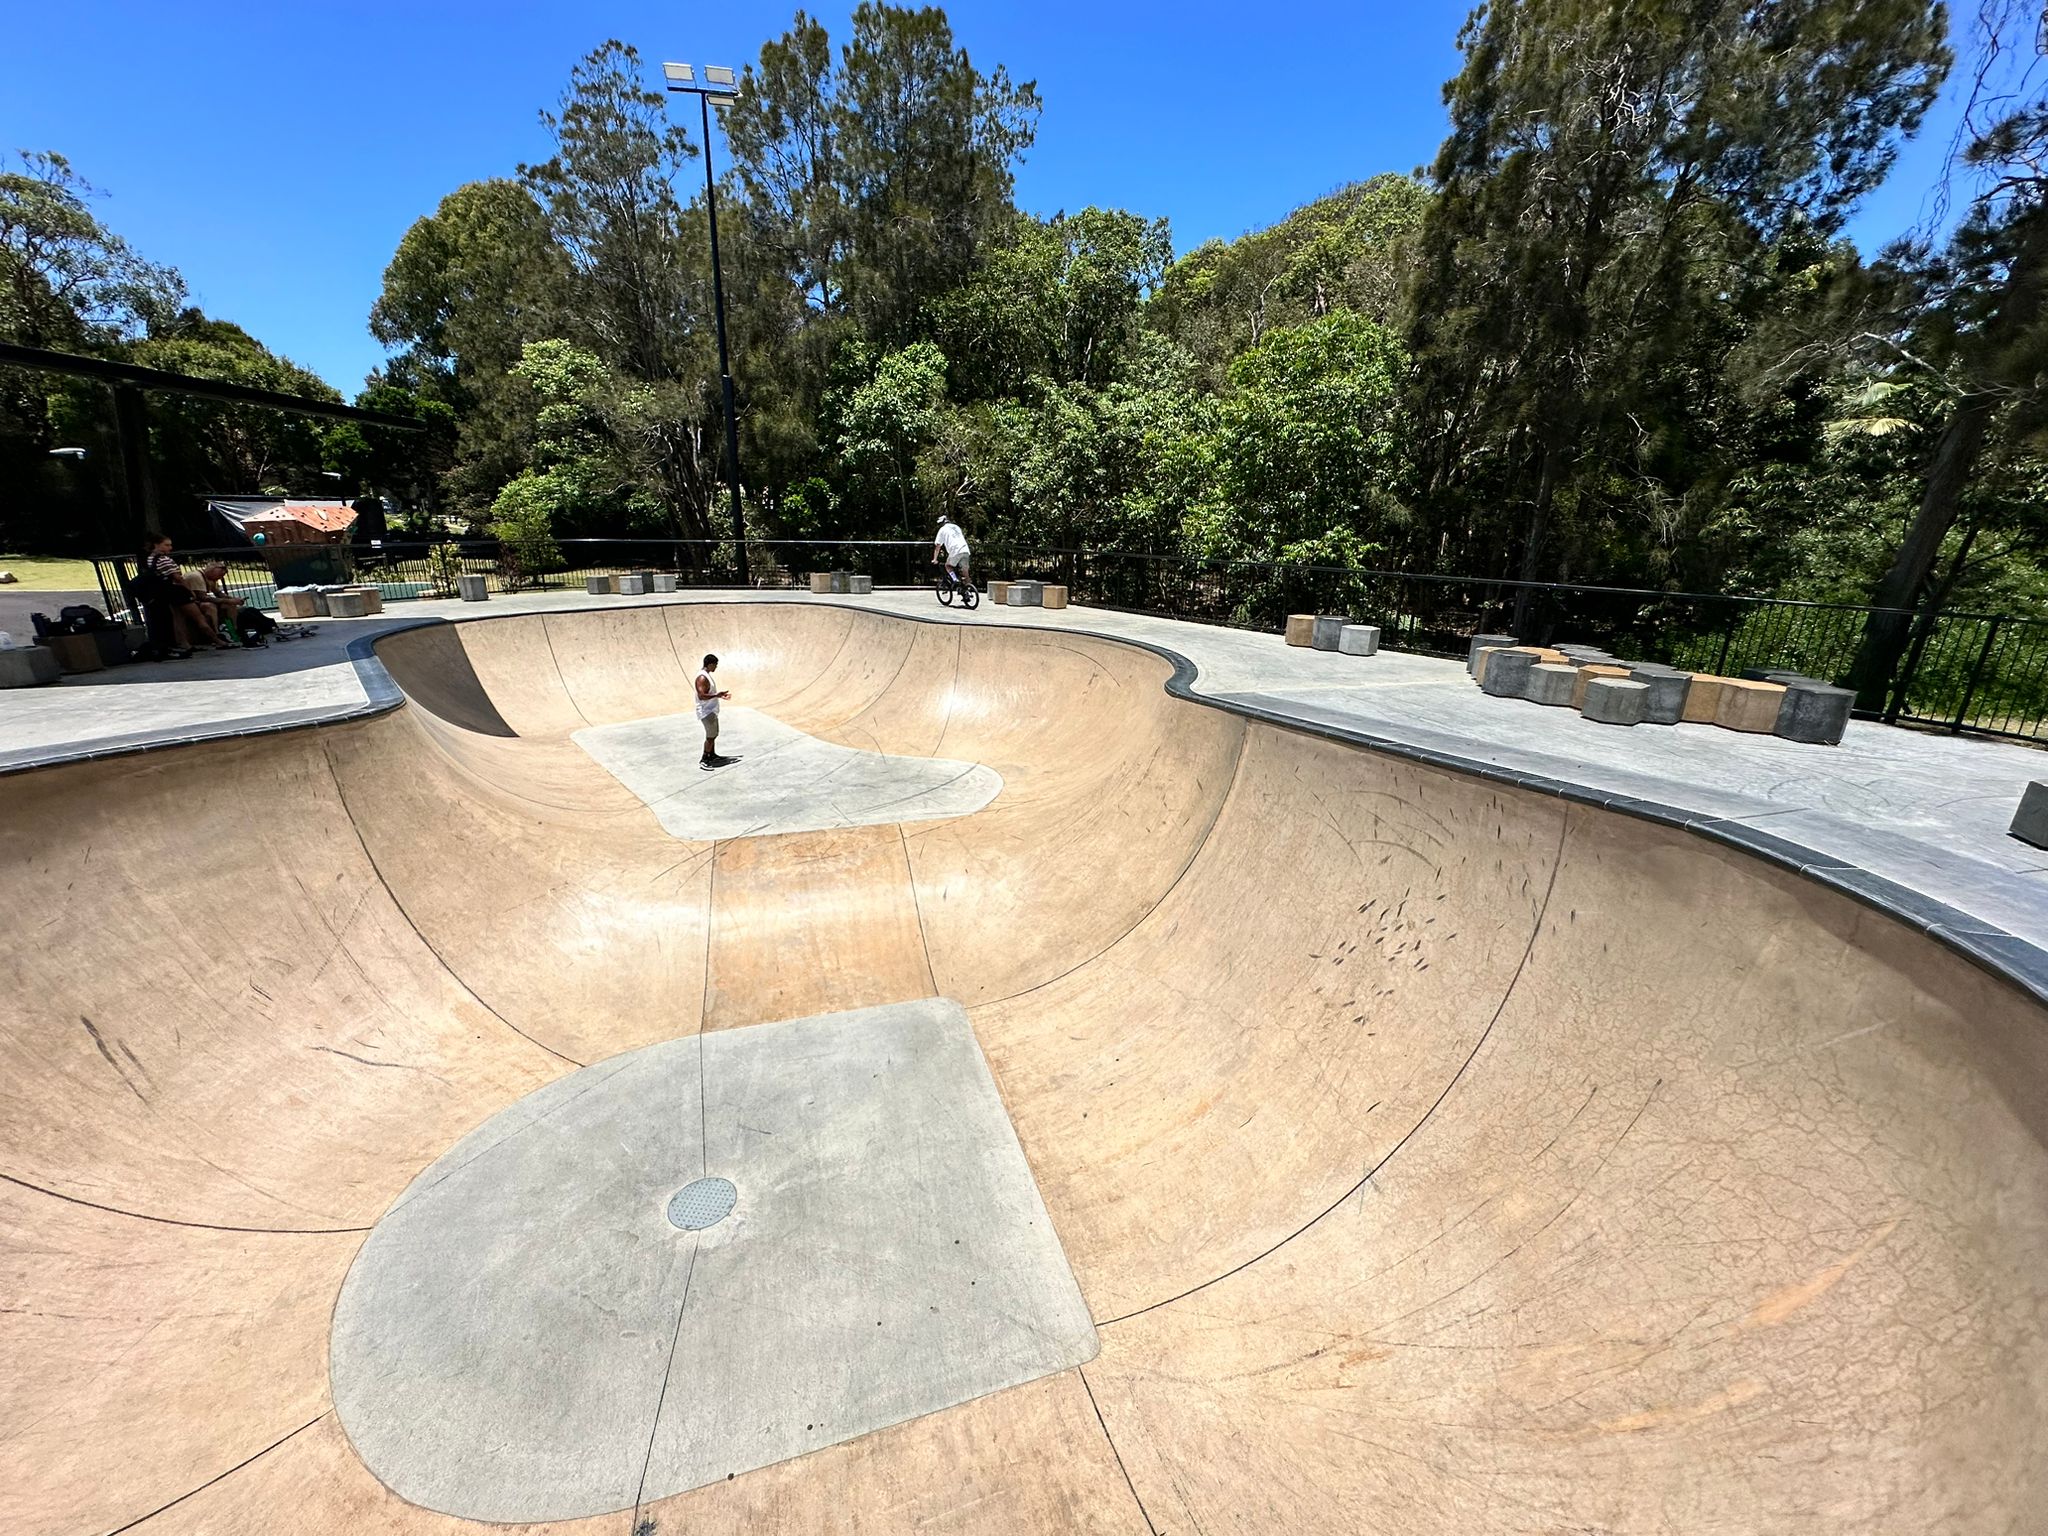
(1665, 704)
(2030, 821)
(1358, 639)
(1506, 673)
(1816, 713)
(1550, 683)
(1434, 1153)
(526, 1336)
(784, 780)
(24, 666)
(1749, 706)
(1616, 701)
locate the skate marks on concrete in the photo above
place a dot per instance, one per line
(785, 780)
(531, 1333)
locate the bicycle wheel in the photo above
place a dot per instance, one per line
(945, 592)
(970, 595)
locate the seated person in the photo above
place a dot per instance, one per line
(251, 624)
(161, 581)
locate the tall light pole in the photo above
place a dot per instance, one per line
(719, 86)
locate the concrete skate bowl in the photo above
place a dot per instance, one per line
(1432, 1155)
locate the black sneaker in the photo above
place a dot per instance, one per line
(707, 763)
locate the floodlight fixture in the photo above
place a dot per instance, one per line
(720, 86)
(67, 453)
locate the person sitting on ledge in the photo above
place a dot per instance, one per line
(250, 625)
(163, 582)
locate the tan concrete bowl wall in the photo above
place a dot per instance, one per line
(1434, 1156)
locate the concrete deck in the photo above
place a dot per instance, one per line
(1912, 820)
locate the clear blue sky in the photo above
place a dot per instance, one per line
(276, 152)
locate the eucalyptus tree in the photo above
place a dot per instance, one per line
(1616, 173)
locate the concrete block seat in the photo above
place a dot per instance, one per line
(474, 589)
(348, 605)
(2029, 822)
(999, 593)
(1327, 630)
(1301, 629)
(1550, 683)
(1749, 707)
(73, 653)
(1053, 597)
(1024, 594)
(1359, 639)
(664, 581)
(857, 586)
(1591, 671)
(1814, 713)
(1668, 689)
(633, 584)
(600, 586)
(1703, 699)
(1616, 701)
(1481, 643)
(821, 583)
(23, 666)
(1507, 672)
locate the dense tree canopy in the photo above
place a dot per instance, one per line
(1613, 335)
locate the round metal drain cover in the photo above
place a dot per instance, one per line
(703, 1203)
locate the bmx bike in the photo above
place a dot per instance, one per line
(961, 587)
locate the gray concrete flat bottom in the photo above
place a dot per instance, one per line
(526, 1336)
(785, 781)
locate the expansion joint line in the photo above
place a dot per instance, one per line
(1143, 1513)
(1535, 932)
(341, 794)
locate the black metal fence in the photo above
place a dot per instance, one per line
(1979, 673)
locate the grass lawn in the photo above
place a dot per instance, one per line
(46, 573)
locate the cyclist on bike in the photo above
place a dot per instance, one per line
(950, 545)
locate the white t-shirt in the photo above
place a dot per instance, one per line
(706, 708)
(952, 541)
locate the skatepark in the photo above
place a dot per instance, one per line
(1143, 1102)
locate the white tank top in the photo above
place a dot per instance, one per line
(706, 708)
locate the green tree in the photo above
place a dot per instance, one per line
(1308, 450)
(610, 196)
(574, 475)
(882, 422)
(1983, 333)
(66, 280)
(469, 286)
(1614, 175)
(1349, 250)
(206, 447)
(1060, 300)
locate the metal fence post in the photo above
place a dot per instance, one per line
(1976, 672)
